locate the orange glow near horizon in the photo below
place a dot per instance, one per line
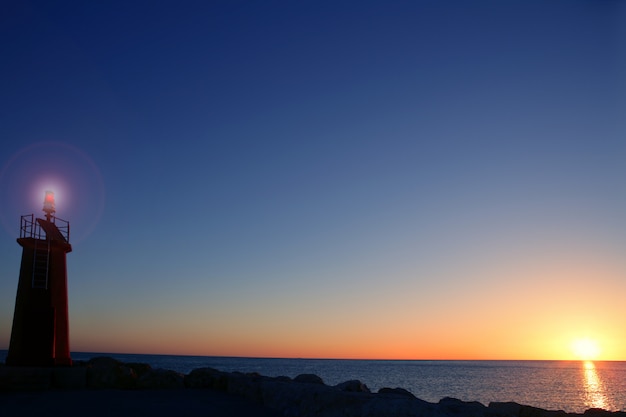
(545, 309)
(345, 343)
(330, 335)
(494, 328)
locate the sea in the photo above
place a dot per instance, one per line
(572, 386)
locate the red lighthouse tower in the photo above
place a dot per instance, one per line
(40, 334)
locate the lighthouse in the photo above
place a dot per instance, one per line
(40, 333)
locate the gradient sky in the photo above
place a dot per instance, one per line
(342, 179)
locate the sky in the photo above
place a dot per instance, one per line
(323, 179)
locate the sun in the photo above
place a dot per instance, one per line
(585, 349)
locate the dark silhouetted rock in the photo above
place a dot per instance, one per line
(106, 372)
(161, 378)
(352, 386)
(140, 369)
(599, 412)
(401, 405)
(396, 391)
(310, 399)
(505, 408)
(103, 362)
(466, 409)
(206, 378)
(512, 409)
(528, 411)
(247, 386)
(309, 379)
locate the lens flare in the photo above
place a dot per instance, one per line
(65, 170)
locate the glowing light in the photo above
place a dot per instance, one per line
(48, 203)
(586, 349)
(49, 184)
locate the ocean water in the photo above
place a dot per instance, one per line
(571, 386)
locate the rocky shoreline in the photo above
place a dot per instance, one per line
(304, 396)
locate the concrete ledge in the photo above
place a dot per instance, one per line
(69, 378)
(41, 379)
(25, 378)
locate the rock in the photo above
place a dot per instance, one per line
(320, 400)
(279, 395)
(599, 412)
(352, 386)
(309, 379)
(400, 406)
(466, 409)
(310, 399)
(512, 409)
(245, 386)
(331, 402)
(103, 362)
(528, 411)
(505, 409)
(139, 368)
(106, 372)
(161, 378)
(396, 391)
(206, 378)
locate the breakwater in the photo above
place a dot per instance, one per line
(304, 395)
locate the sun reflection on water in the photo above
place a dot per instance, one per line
(594, 394)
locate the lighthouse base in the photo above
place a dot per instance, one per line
(40, 333)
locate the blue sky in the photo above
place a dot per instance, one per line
(272, 171)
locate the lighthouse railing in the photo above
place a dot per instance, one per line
(63, 226)
(29, 227)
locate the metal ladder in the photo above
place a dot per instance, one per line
(41, 262)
